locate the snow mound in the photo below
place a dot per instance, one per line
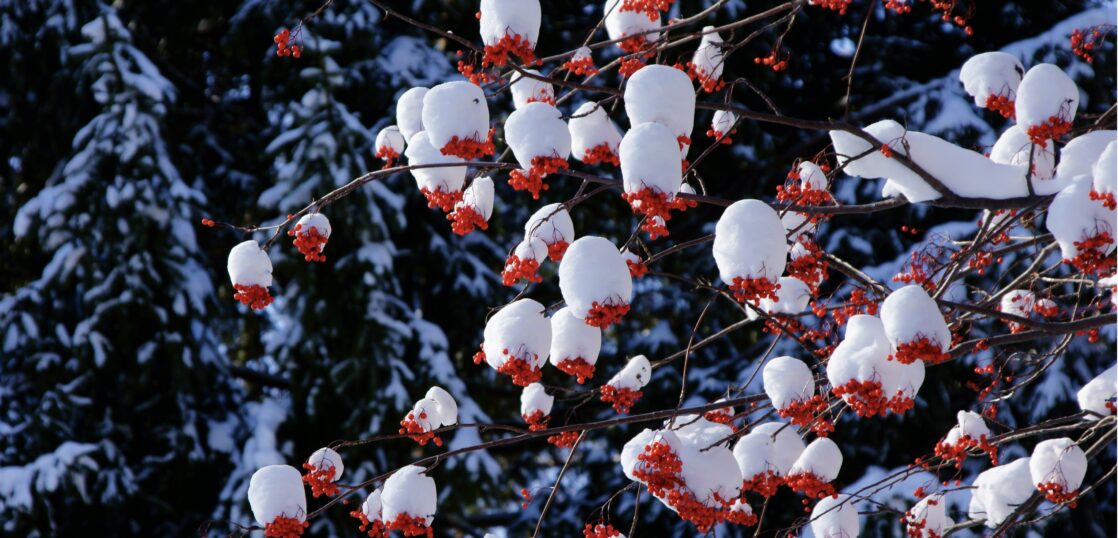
(1079, 156)
(391, 141)
(749, 242)
(999, 491)
(1046, 92)
(535, 398)
(409, 112)
(249, 265)
(787, 380)
(518, 330)
(537, 130)
(835, 517)
(634, 376)
(592, 275)
(650, 159)
(1074, 217)
(991, 74)
(1013, 147)
(510, 17)
(409, 492)
(662, 94)
(552, 224)
(275, 491)
(591, 128)
(621, 24)
(1058, 462)
(455, 111)
(572, 338)
(440, 178)
(910, 314)
(771, 447)
(793, 297)
(821, 458)
(1095, 395)
(529, 90)
(326, 457)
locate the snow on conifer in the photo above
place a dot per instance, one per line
(552, 224)
(278, 501)
(766, 454)
(928, 518)
(970, 432)
(652, 174)
(595, 281)
(915, 326)
(409, 500)
(510, 27)
(526, 89)
(535, 406)
(1098, 395)
(1013, 148)
(311, 233)
(541, 142)
(1057, 468)
(475, 207)
(441, 185)
(624, 388)
(815, 469)
(324, 468)
(517, 341)
(456, 118)
(390, 144)
(523, 263)
(999, 491)
(1047, 100)
(594, 137)
(706, 65)
(250, 271)
(409, 112)
(992, 79)
(750, 250)
(835, 517)
(574, 345)
(665, 95)
(1084, 228)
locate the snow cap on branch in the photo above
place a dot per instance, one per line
(390, 142)
(787, 380)
(1018, 302)
(970, 424)
(772, 447)
(409, 112)
(1073, 217)
(709, 59)
(991, 74)
(1098, 395)
(409, 499)
(822, 458)
(325, 458)
(444, 404)
(1105, 171)
(475, 208)
(1079, 156)
(634, 376)
(535, 398)
(594, 136)
(928, 518)
(835, 517)
(812, 176)
(574, 344)
(792, 297)
(911, 316)
(1013, 147)
(1058, 464)
(529, 90)
(437, 179)
(749, 243)
(650, 159)
(662, 94)
(456, 118)
(595, 281)
(510, 17)
(621, 24)
(1047, 100)
(552, 224)
(722, 124)
(519, 334)
(276, 491)
(999, 491)
(249, 265)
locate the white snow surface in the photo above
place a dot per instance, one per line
(650, 158)
(316, 221)
(1059, 461)
(723, 121)
(1093, 395)
(409, 491)
(811, 175)
(634, 376)
(749, 242)
(1046, 91)
(991, 73)
(969, 424)
(537, 130)
(535, 398)
(794, 296)
(909, 314)
(932, 510)
(527, 89)
(661, 94)
(446, 178)
(1018, 302)
(520, 328)
(1079, 156)
(1105, 171)
(590, 127)
(531, 248)
(372, 506)
(551, 224)
(479, 195)
(821, 458)
(277, 490)
(863, 355)
(512, 17)
(327, 457)
(592, 271)
(708, 58)
(620, 24)
(1012, 148)
(249, 265)
(787, 380)
(999, 491)
(835, 517)
(1073, 216)
(571, 337)
(391, 137)
(772, 446)
(444, 405)
(409, 111)
(456, 108)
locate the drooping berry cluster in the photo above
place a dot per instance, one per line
(465, 218)
(285, 527)
(834, 5)
(1093, 258)
(752, 290)
(563, 439)
(808, 413)
(809, 267)
(958, 451)
(722, 138)
(651, 8)
(1107, 199)
(536, 420)
(622, 399)
(284, 48)
(520, 368)
(601, 530)
(653, 203)
(255, 297)
(1084, 43)
(374, 528)
(866, 398)
(764, 484)
(1052, 129)
(511, 44)
(531, 180)
(604, 315)
(1002, 105)
(517, 269)
(777, 59)
(412, 427)
(810, 485)
(556, 249)
(309, 242)
(581, 65)
(577, 367)
(470, 148)
(708, 83)
(441, 199)
(660, 469)
(411, 525)
(1055, 493)
(388, 155)
(637, 269)
(601, 153)
(721, 416)
(920, 349)
(320, 479)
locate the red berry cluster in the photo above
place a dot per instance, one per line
(473, 73)
(1084, 43)
(411, 525)
(604, 315)
(470, 148)
(564, 439)
(752, 290)
(284, 48)
(601, 153)
(659, 468)
(765, 484)
(411, 427)
(917, 527)
(531, 180)
(1047, 309)
(631, 65)
(981, 261)
(556, 249)
(810, 485)
(722, 138)
(776, 60)
(320, 479)
(374, 528)
(958, 451)
(465, 218)
(804, 195)
(601, 530)
(255, 297)
(805, 413)
(920, 349)
(441, 199)
(581, 65)
(653, 203)
(1055, 493)
(536, 420)
(707, 82)
(285, 527)
(1002, 105)
(811, 267)
(899, 7)
(1093, 258)
(577, 367)
(309, 242)
(388, 155)
(621, 399)
(520, 369)
(651, 8)
(833, 5)
(517, 269)
(527, 496)
(948, 7)
(637, 269)
(1052, 129)
(866, 398)
(1107, 199)
(511, 44)
(721, 416)
(209, 223)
